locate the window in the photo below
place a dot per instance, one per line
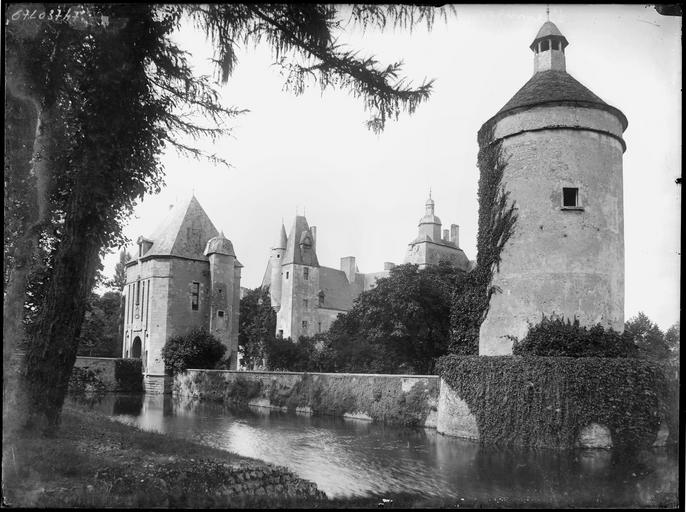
(280, 333)
(138, 292)
(304, 325)
(321, 299)
(319, 326)
(286, 275)
(545, 45)
(195, 296)
(570, 197)
(306, 273)
(220, 313)
(305, 302)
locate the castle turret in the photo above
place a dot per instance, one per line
(225, 278)
(275, 262)
(563, 146)
(429, 224)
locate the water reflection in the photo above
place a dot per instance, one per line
(354, 457)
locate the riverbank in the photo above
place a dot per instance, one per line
(94, 461)
(97, 462)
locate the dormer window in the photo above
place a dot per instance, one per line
(545, 45)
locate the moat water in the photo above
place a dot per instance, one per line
(348, 458)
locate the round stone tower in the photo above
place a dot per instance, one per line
(225, 278)
(276, 259)
(563, 146)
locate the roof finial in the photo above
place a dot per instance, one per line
(547, 11)
(429, 192)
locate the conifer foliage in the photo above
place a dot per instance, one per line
(93, 99)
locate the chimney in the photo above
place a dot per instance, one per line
(348, 266)
(313, 230)
(445, 234)
(387, 265)
(455, 234)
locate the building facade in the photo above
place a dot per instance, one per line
(307, 296)
(564, 150)
(184, 276)
(431, 247)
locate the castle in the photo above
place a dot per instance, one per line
(307, 296)
(184, 276)
(564, 148)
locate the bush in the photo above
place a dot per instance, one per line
(129, 375)
(556, 337)
(545, 401)
(198, 349)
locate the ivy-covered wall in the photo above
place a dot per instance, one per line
(396, 399)
(548, 401)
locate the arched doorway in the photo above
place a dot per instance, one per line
(136, 348)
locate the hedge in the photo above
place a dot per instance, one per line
(546, 401)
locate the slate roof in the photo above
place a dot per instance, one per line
(294, 253)
(337, 291)
(551, 87)
(549, 29)
(184, 232)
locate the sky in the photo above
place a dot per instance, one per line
(313, 154)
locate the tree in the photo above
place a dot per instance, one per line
(197, 349)
(119, 280)
(648, 337)
(256, 327)
(400, 326)
(103, 93)
(100, 336)
(673, 338)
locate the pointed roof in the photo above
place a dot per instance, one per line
(219, 245)
(549, 29)
(283, 240)
(183, 232)
(300, 246)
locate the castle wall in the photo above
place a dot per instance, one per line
(566, 262)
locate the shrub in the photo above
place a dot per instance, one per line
(198, 349)
(545, 401)
(129, 375)
(556, 337)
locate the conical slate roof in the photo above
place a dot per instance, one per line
(283, 240)
(219, 245)
(184, 232)
(549, 29)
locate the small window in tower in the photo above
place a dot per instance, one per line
(305, 303)
(556, 45)
(306, 273)
(319, 326)
(321, 299)
(280, 333)
(570, 197)
(545, 45)
(220, 313)
(286, 275)
(305, 324)
(195, 296)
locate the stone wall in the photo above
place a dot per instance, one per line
(395, 399)
(103, 374)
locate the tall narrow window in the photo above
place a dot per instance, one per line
(306, 273)
(305, 302)
(138, 292)
(286, 275)
(570, 197)
(195, 296)
(319, 326)
(305, 325)
(321, 299)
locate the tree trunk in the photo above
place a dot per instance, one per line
(25, 253)
(52, 351)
